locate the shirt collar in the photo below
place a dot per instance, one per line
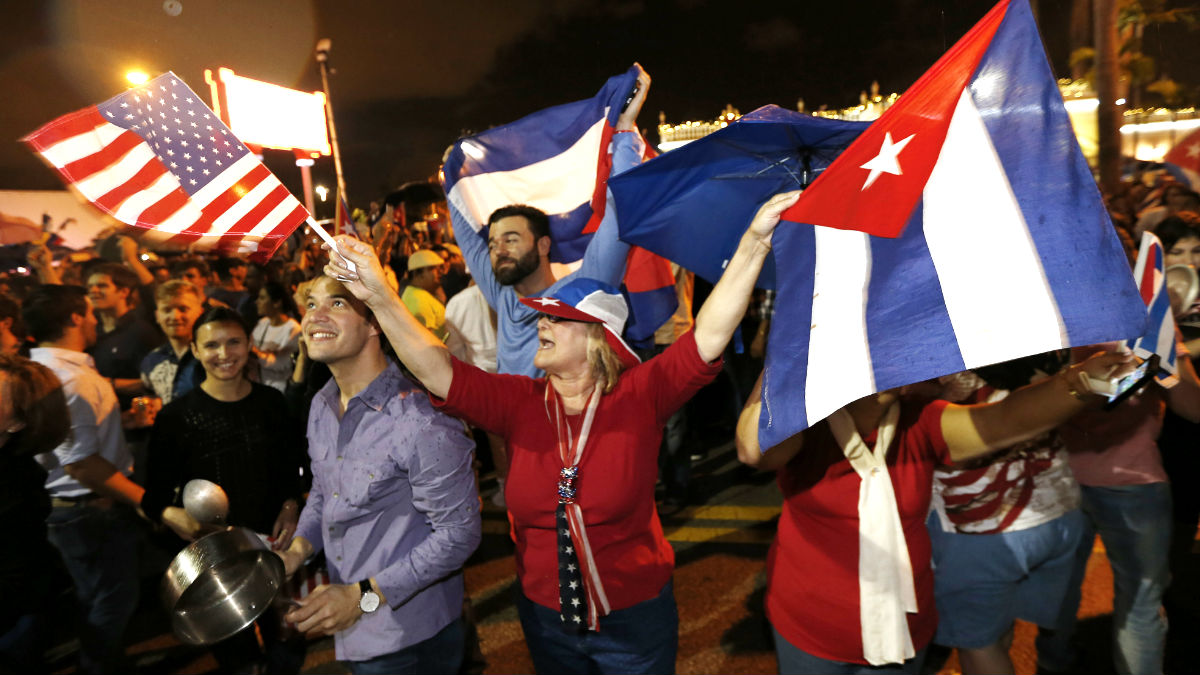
(69, 355)
(386, 386)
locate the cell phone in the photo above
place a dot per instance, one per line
(1133, 382)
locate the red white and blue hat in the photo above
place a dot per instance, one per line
(591, 301)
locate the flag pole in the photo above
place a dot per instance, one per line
(325, 236)
(323, 47)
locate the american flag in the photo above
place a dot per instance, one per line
(158, 159)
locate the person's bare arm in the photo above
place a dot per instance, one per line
(974, 430)
(101, 477)
(726, 305)
(748, 449)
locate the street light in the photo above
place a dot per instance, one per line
(321, 191)
(136, 77)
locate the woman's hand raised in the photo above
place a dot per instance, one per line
(366, 280)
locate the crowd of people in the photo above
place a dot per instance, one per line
(340, 399)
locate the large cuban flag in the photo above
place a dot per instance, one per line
(556, 159)
(995, 243)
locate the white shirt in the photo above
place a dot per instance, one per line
(471, 329)
(284, 340)
(95, 420)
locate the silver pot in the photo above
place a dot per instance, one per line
(220, 584)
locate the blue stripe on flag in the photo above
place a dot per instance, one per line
(1054, 189)
(904, 291)
(784, 355)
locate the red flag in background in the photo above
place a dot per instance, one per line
(1183, 160)
(343, 221)
(158, 159)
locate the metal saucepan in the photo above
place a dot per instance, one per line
(220, 584)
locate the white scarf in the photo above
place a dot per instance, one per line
(885, 579)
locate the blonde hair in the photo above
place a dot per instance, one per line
(606, 365)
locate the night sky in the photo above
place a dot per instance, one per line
(413, 76)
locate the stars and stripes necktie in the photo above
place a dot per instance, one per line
(581, 593)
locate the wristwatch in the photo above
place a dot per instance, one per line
(369, 602)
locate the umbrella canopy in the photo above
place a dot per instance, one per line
(692, 205)
(18, 230)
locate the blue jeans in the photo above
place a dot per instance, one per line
(638, 639)
(1134, 522)
(99, 550)
(792, 659)
(441, 654)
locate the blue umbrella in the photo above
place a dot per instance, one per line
(692, 205)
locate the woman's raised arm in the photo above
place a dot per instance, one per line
(727, 303)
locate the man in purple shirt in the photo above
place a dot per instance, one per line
(393, 503)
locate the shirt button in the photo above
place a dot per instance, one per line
(335, 495)
(339, 458)
(331, 528)
(370, 475)
(339, 558)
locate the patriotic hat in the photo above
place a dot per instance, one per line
(591, 301)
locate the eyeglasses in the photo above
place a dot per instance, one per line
(554, 318)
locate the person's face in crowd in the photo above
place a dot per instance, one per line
(1186, 251)
(238, 274)
(428, 278)
(254, 277)
(162, 275)
(335, 324)
(177, 315)
(1175, 198)
(514, 253)
(222, 348)
(193, 276)
(562, 344)
(9, 344)
(264, 304)
(104, 294)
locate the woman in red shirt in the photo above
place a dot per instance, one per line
(849, 582)
(594, 567)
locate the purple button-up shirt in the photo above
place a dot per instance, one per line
(394, 498)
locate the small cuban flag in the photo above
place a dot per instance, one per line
(962, 228)
(1160, 326)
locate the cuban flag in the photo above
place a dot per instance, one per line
(1183, 161)
(994, 243)
(1160, 323)
(557, 159)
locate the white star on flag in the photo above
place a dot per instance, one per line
(1193, 150)
(574, 602)
(887, 161)
(578, 619)
(573, 585)
(548, 302)
(571, 568)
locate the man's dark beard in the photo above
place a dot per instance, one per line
(523, 267)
